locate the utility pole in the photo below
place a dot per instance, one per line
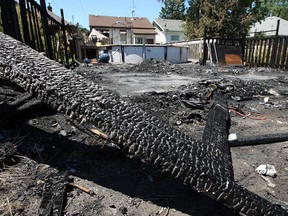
(133, 9)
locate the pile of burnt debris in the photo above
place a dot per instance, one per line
(52, 166)
(109, 155)
(45, 156)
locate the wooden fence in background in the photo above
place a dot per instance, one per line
(29, 22)
(215, 49)
(268, 51)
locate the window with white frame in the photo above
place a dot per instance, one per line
(139, 40)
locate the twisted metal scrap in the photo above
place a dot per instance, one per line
(205, 166)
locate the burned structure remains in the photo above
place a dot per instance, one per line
(204, 165)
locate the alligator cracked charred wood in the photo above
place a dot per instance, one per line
(138, 134)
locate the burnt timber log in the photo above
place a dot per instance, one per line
(259, 139)
(204, 167)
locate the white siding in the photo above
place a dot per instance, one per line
(153, 52)
(160, 37)
(137, 53)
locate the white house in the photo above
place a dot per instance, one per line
(168, 31)
(124, 30)
(268, 27)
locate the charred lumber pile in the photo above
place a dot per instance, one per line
(203, 165)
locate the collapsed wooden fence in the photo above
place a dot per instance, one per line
(30, 22)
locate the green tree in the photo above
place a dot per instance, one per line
(224, 18)
(173, 9)
(191, 27)
(277, 8)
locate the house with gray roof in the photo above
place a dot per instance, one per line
(267, 27)
(168, 31)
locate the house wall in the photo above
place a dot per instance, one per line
(170, 33)
(118, 37)
(160, 37)
(138, 53)
(163, 37)
(270, 24)
(128, 38)
(144, 38)
(115, 36)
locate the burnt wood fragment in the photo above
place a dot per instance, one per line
(259, 139)
(16, 103)
(53, 196)
(7, 149)
(203, 166)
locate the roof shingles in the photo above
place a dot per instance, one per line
(169, 24)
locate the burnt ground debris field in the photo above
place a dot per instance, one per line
(50, 148)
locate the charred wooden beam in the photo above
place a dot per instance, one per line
(216, 133)
(259, 139)
(197, 164)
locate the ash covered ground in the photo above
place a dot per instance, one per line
(54, 154)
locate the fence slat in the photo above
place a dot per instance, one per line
(269, 51)
(37, 30)
(249, 51)
(32, 42)
(10, 19)
(64, 37)
(279, 51)
(24, 22)
(46, 29)
(35, 33)
(284, 55)
(260, 53)
(263, 60)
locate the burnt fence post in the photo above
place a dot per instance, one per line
(275, 45)
(10, 19)
(24, 21)
(46, 29)
(205, 51)
(64, 37)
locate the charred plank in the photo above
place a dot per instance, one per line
(259, 139)
(53, 196)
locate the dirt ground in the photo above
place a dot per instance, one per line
(49, 145)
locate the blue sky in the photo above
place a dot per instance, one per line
(80, 9)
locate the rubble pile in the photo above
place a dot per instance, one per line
(156, 66)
